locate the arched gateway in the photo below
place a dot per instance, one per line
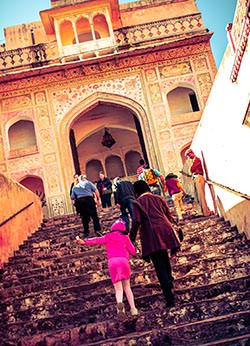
(82, 130)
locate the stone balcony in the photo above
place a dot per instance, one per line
(164, 31)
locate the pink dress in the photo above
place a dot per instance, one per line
(118, 248)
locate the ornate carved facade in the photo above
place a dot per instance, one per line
(148, 83)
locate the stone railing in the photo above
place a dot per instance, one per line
(158, 30)
(88, 47)
(20, 216)
(45, 54)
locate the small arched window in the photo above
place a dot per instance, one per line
(114, 167)
(22, 135)
(101, 26)
(93, 167)
(182, 100)
(83, 30)
(131, 160)
(67, 33)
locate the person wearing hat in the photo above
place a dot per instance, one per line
(196, 170)
(118, 249)
(175, 190)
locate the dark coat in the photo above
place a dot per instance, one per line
(104, 183)
(151, 215)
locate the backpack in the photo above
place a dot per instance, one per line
(150, 177)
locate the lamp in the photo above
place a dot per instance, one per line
(107, 139)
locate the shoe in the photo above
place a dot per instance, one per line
(120, 309)
(174, 251)
(170, 304)
(180, 234)
(98, 233)
(134, 312)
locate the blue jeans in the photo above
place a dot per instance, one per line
(126, 210)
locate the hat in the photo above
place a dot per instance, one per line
(188, 151)
(118, 225)
(171, 175)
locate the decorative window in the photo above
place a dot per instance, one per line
(67, 33)
(22, 135)
(83, 30)
(182, 100)
(101, 26)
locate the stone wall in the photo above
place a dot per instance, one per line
(20, 216)
(223, 134)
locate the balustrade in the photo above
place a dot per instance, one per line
(44, 54)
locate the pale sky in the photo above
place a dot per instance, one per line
(216, 15)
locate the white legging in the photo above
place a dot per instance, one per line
(121, 286)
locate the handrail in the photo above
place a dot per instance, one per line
(14, 215)
(229, 189)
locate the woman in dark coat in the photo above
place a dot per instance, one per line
(104, 187)
(152, 215)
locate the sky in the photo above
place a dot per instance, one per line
(216, 15)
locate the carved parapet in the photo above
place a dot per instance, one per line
(48, 53)
(158, 30)
(28, 56)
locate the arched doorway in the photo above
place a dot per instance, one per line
(93, 167)
(89, 128)
(35, 184)
(132, 159)
(114, 167)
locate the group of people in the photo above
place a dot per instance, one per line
(150, 216)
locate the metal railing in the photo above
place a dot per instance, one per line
(15, 214)
(229, 189)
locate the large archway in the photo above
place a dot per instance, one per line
(89, 128)
(138, 120)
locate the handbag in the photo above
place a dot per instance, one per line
(107, 191)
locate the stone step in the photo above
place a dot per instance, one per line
(193, 333)
(78, 263)
(53, 233)
(191, 279)
(222, 234)
(102, 309)
(42, 251)
(243, 340)
(106, 295)
(80, 268)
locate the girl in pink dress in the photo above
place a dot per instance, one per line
(118, 249)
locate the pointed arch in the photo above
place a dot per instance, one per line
(21, 134)
(101, 25)
(83, 30)
(132, 159)
(114, 167)
(93, 167)
(91, 102)
(67, 33)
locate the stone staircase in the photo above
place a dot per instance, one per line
(55, 293)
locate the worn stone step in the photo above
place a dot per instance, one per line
(243, 340)
(191, 333)
(69, 248)
(106, 295)
(100, 309)
(189, 280)
(184, 263)
(222, 235)
(80, 268)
